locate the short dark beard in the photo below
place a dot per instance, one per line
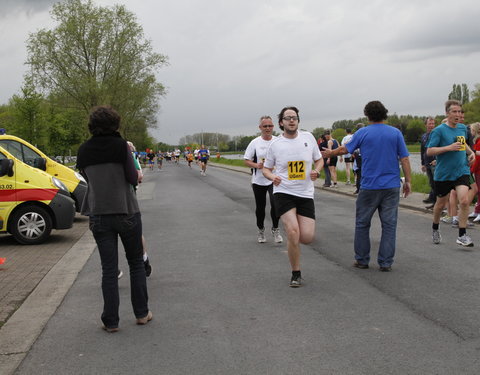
(290, 132)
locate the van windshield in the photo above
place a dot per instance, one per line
(20, 151)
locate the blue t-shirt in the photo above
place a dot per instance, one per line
(382, 146)
(451, 164)
(203, 153)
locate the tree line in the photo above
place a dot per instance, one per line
(412, 127)
(99, 55)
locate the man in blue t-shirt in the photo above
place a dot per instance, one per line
(448, 142)
(203, 156)
(382, 147)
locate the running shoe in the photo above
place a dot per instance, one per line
(472, 215)
(261, 236)
(455, 223)
(436, 237)
(348, 183)
(465, 241)
(296, 281)
(446, 219)
(276, 235)
(477, 219)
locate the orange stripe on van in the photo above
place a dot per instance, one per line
(21, 195)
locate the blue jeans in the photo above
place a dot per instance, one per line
(106, 229)
(386, 202)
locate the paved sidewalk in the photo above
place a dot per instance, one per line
(26, 266)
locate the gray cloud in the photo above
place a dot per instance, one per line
(233, 61)
(27, 6)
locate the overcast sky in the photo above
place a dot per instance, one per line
(232, 61)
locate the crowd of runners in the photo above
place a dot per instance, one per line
(292, 161)
(284, 169)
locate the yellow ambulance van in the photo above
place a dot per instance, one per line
(32, 156)
(32, 202)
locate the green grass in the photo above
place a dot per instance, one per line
(419, 180)
(414, 148)
(235, 162)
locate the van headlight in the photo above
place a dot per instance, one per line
(80, 177)
(59, 184)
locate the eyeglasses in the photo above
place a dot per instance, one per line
(290, 118)
(267, 126)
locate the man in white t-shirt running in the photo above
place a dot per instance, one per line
(292, 156)
(254, 158)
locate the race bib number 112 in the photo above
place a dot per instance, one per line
(296, 170)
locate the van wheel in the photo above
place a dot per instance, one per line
(31, 225)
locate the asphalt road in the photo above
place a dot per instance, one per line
(222, 304)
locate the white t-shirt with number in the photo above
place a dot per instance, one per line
(293, 159)
(258, 147)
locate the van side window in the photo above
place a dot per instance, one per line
(20, 151)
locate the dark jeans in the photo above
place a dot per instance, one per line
(260, 193)
(430, 169)
(386, 202)
(328, 178)
(106, 229)
(358, 179)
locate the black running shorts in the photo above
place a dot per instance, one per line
(285, 202)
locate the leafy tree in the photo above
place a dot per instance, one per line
(348, 124)
(317, 132)
(460, 93)
(208, 139)
(65, 130)
(415, 129)
(338, 134)
(28, 110)
(472, 109)
(98, 55)
(6, 117)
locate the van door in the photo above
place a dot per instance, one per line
(7, 195)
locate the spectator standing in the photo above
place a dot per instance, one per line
(428, 162)
(382, 147)
(347, 158)
(107, 164)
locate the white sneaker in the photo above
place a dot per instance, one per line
(465, 241)
(472, 215)
(454, 222)
(276, 235)
(261, 236)
(436, 237)
(477, 219)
